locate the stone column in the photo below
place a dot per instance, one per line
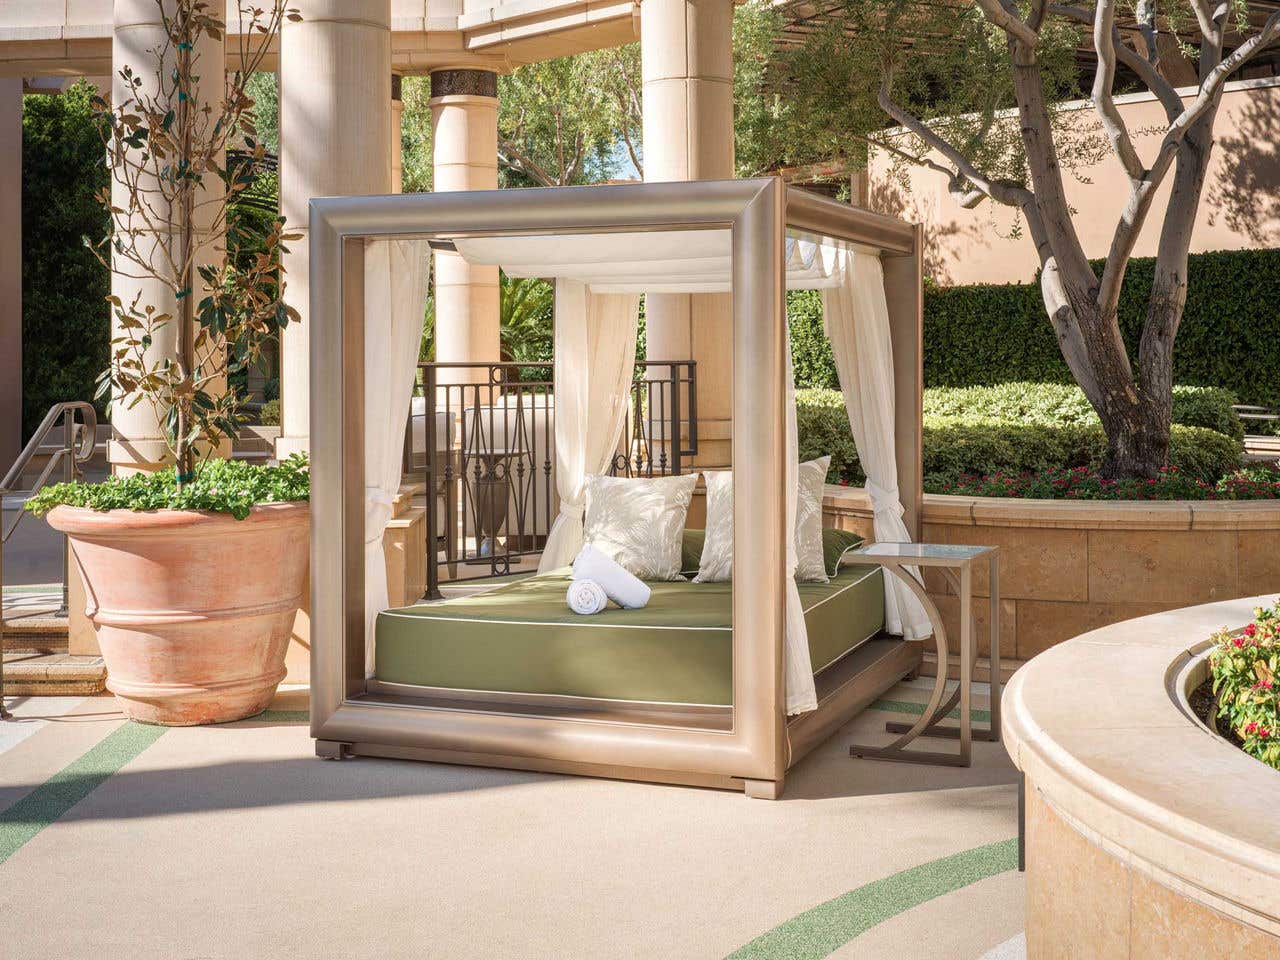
(335, 139)
(686, 49)
(10, 271)
(464, 130)
(138, 442)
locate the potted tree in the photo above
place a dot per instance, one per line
(194, 571)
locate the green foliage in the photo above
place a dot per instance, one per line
(66, 323)
(221, 486)
(265, 92)
(269, 416)
(1227, 338)
(1244, 667)
(943, 63)
(1055, 403)
(1038, 435)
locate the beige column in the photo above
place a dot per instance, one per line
(335, 138)
(686, 54)
(10, 271)
(464, 131)
(138, 441)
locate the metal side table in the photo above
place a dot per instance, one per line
(956, 562)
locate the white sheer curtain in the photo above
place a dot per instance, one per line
(395, 290)
(796, 660)
(856, 317)
(595, 354)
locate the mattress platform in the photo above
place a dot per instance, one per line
(521, 638)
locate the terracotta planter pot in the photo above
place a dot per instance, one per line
(193, 610)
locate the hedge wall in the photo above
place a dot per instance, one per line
(66, 324)
(994, 333)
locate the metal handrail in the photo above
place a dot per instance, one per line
(78, 442)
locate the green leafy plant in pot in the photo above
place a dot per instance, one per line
(194, 566)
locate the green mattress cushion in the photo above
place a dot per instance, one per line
(523, 638)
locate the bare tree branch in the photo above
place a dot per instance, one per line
(515, 159)
(1004, 192)
(1144, 68)
(1103, 100)
(1005, 16)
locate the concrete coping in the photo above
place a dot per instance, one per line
(1076, 514)
(1097, 727)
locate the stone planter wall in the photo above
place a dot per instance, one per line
(1069, 567)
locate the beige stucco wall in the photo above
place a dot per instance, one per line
(1240, 208)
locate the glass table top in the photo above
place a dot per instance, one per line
(923, 551)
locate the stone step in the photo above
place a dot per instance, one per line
(44, 633)
(32, 673)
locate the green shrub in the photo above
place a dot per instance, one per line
(986, 334)
(1057, 403)
(66, 322)
(955, 446)
(269, 416)
(1244, 670)
(222, 486)
(996, 333)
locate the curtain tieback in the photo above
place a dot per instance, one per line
(884, 500)
(572, 509)
(378, 507)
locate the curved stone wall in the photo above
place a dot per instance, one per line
(1067, 567)
(1147, 835)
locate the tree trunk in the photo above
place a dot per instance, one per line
(1137, 437)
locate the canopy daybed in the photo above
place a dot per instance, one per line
(757, 690)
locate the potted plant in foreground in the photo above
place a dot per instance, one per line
(193, 574)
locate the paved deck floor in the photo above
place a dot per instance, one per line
(124, 841)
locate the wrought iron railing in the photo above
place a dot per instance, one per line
(62, 463)
(482, 436)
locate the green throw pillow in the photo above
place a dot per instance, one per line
(835, 544)
(691, 550)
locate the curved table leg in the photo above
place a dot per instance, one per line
(933, 711)
(989, 734)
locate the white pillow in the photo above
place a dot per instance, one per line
(810, 564)
(717, 548)
(639, 522)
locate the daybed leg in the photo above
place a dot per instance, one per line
(762, 789)
(333, 750)
(912, 674)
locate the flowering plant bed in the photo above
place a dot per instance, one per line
(1081, 483)
(1244, 666)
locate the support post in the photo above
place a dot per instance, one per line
(464, 137)
(686, 51)
(335, 140)
(138, 433)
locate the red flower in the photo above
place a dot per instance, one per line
(1250, 630)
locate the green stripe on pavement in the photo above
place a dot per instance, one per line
(53, 798)
(821, 930)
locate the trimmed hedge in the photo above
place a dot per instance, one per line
(1052, 403)
(956, 446)
(988, 334)
(66, 322)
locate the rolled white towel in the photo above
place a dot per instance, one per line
(623, 587)
(586, 597)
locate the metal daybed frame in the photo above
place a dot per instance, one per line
(749, 745)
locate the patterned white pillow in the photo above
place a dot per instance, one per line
(717, 548)
(639, 522)
(810, 564)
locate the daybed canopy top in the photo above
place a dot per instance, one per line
(656, 261)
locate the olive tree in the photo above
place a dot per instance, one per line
(950, 75)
